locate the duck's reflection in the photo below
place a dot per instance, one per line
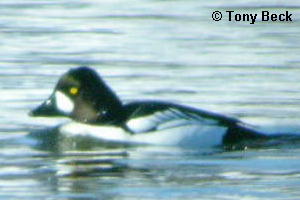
(84, 167)
(81, 156)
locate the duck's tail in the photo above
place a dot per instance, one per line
(240, 137)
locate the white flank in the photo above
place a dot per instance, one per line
(63, 103)
(191, 136)
(141, 124)
(108, 133)
(171, 127)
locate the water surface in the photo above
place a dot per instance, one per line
(170, 50)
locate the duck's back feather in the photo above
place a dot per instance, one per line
(147, 116)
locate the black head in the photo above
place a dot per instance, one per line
(82, 95)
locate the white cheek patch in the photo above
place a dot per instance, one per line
(63, 103)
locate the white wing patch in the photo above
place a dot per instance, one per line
(173, 126)
(63, 103)
(167, 119)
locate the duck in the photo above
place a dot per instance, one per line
(96, 111)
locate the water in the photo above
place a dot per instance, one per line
(170, 50)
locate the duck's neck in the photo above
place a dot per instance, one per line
(99, 105)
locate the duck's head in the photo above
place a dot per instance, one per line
(82, 95)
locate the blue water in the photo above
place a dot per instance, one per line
(169, 50)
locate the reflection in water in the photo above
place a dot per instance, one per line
(79, 156)
(78, 167)
(69, 164)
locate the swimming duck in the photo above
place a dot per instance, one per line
(95, 109)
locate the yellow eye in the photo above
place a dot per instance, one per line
(74, 90)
